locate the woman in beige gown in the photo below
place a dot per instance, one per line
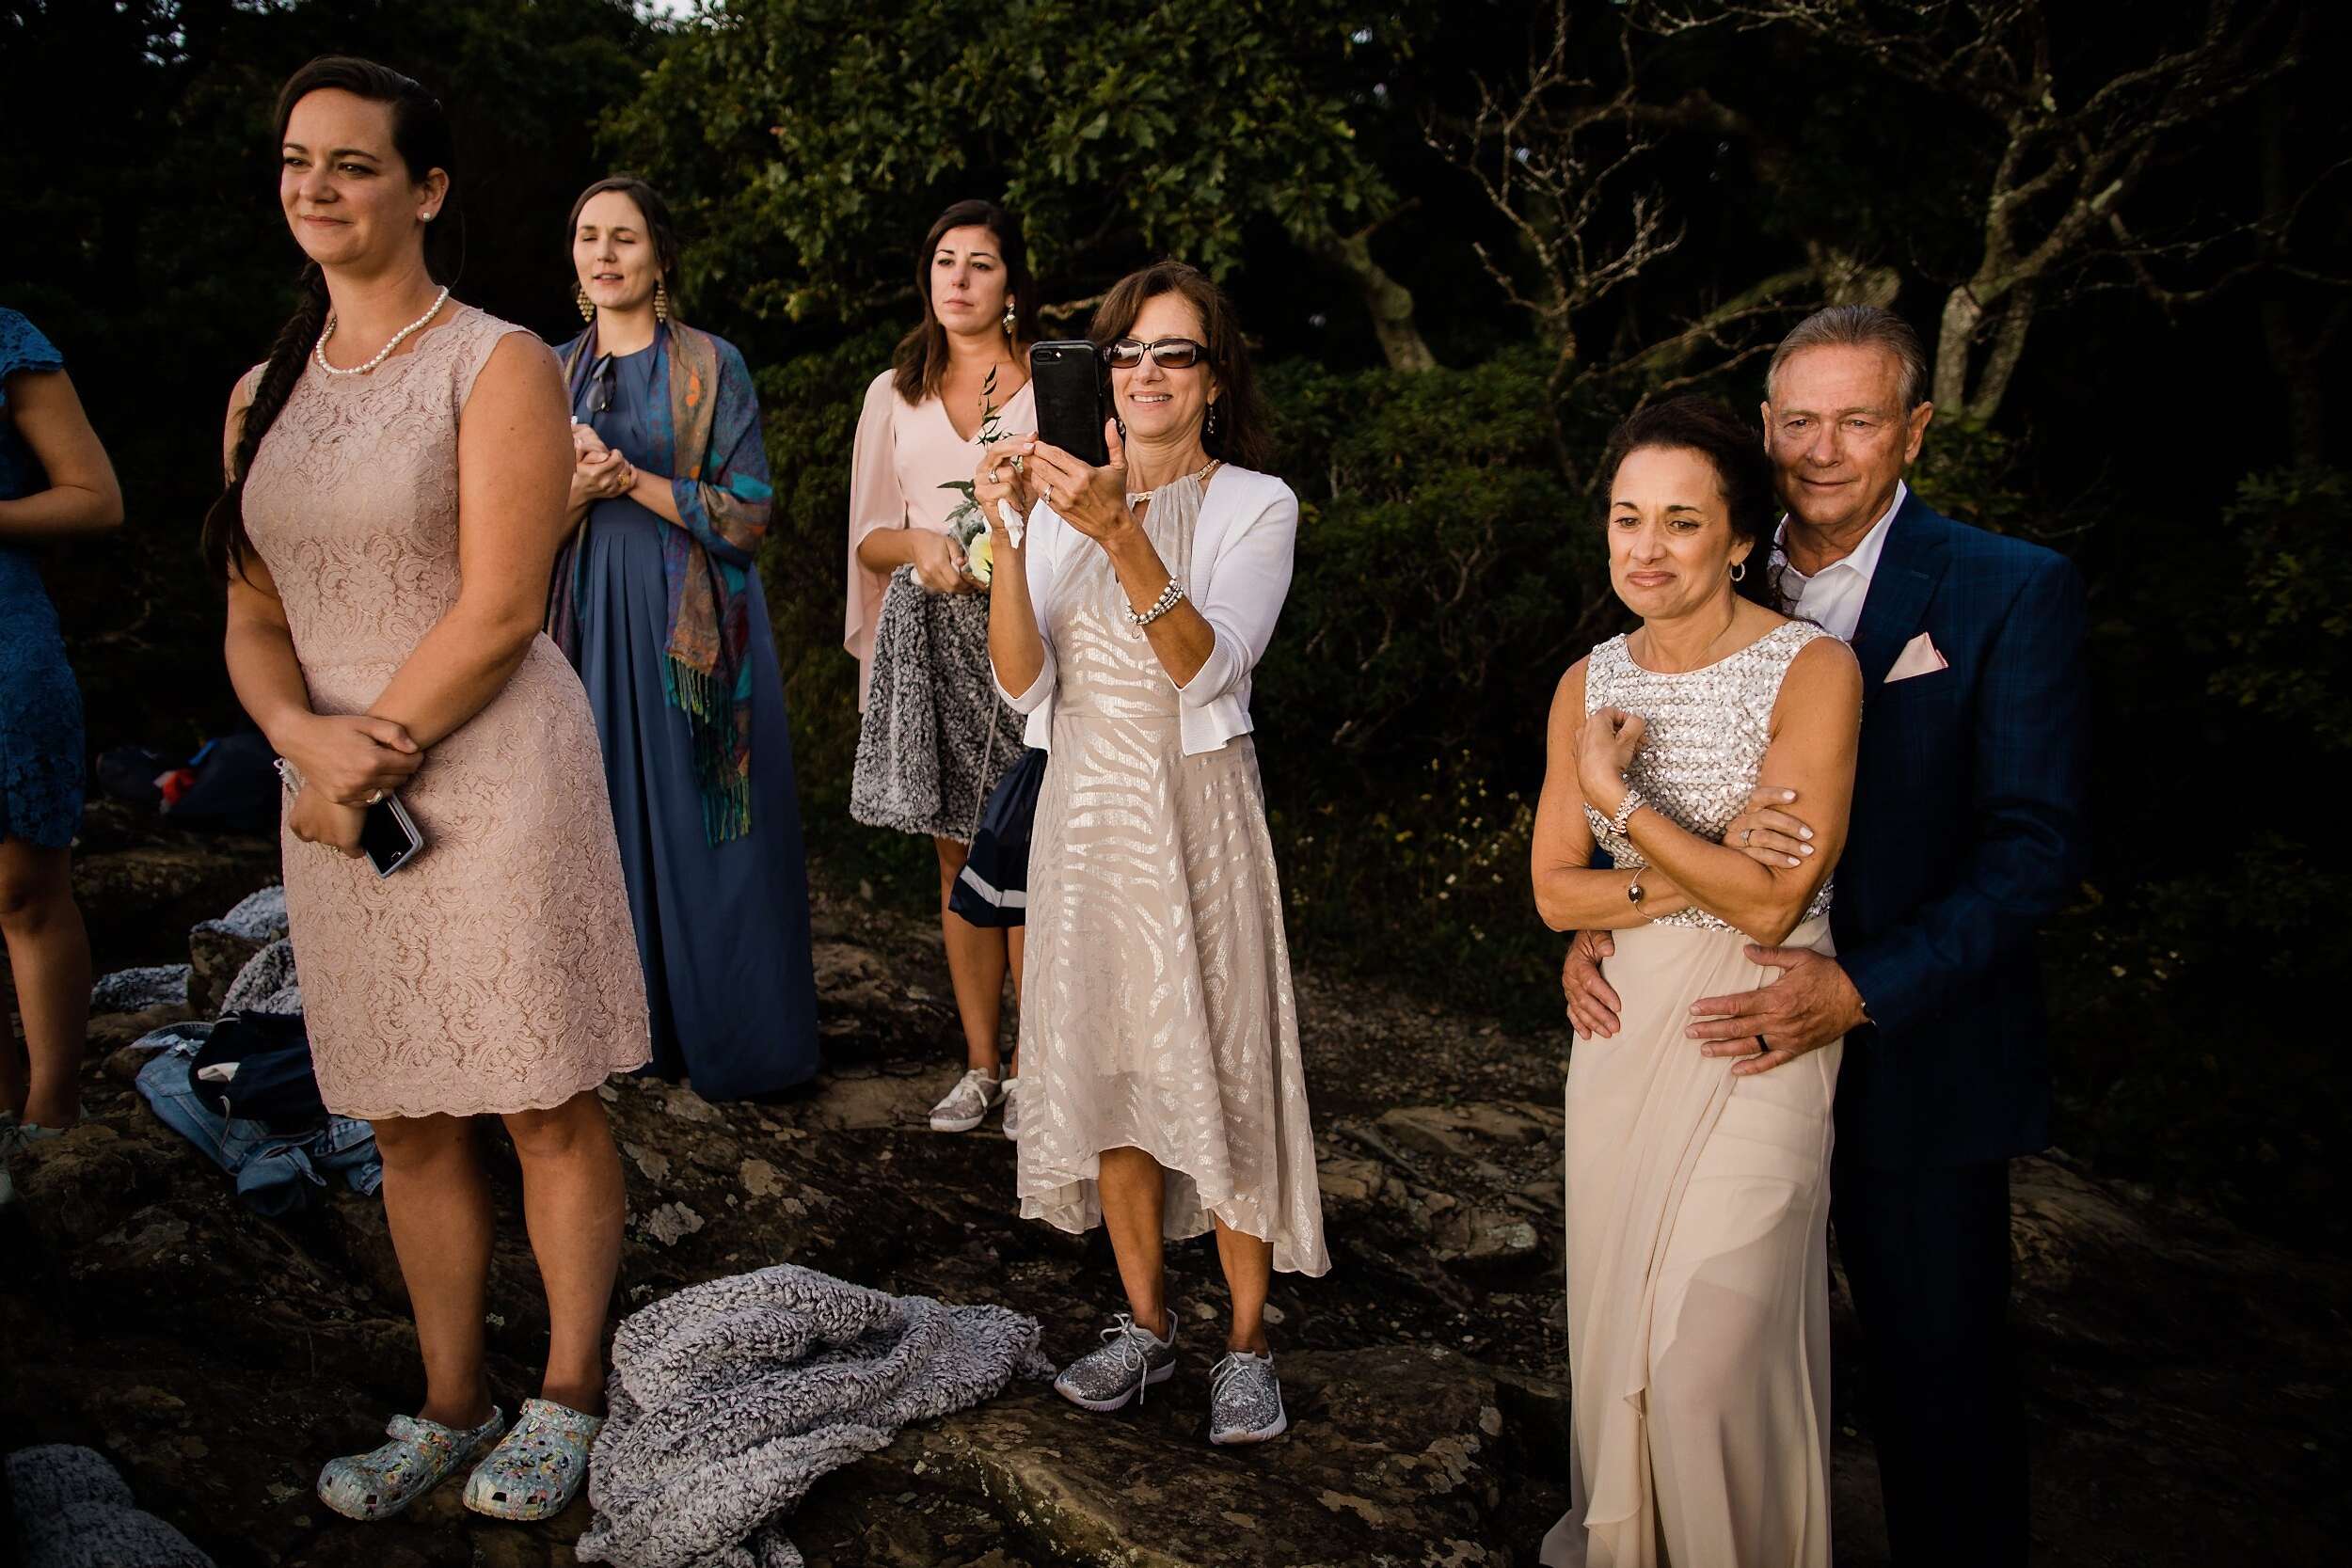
(1159, 1038)
(398, 474)
(1697, 1187)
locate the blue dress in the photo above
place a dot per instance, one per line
(41, 707)
(722, 928)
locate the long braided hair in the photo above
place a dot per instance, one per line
(420, 135)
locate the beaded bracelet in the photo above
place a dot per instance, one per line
(1168, 600)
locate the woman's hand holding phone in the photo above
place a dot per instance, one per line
(315, 819)
(1091, 499)
(344, 758)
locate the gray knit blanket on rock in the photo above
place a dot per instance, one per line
(72, 1510)
(731, 1398)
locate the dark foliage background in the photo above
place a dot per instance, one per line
(2149, 224)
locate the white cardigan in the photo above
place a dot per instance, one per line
(1241, 572)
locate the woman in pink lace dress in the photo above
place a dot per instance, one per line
(398, 470)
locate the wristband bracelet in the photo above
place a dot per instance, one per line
(1169, 597)
(1626, 808)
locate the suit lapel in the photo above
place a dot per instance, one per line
(1908, 570)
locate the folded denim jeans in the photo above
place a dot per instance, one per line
(275, 1173)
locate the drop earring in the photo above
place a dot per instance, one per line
(1011, 319)
(587, 306)
(660, 300)
(1211, 430)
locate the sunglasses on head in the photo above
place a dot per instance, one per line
(1171, 354)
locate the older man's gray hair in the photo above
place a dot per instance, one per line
(1859, 327)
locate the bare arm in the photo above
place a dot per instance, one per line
(1570, 894)
(1182, 638)
(83, 496)
(340, 760)
(1815, 729)
(653, 493)
(514, 476)
(1016, 649)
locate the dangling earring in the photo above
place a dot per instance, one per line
(1010, 319)
(1211, 430)
(660, 300)
(587, 306)
(1739, 570)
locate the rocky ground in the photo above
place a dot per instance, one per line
(2185, 1379)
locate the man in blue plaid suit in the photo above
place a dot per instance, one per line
(1968, 831)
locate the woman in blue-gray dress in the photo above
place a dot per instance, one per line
(656, 600)
(55, 480)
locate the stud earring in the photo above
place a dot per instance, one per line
(587, 306)
(660, 300)
(425, 216)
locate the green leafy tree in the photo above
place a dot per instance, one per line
(811, 140)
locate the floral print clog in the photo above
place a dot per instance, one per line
(537, 1471)
(376, 1485)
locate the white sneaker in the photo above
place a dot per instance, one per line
(967, 1104)
(1130, 1361)
(1245, 1400)
(14, 1136)
(1012, 1109)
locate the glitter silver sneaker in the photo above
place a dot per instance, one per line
(1130, 1361)
(967, 1104)
(1244, 1400)
(1012, 1109)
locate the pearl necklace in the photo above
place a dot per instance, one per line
(318, 353)
(1136, 497)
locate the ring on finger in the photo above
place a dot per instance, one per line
(375, 797)
(1745, 834)
(1016, 461)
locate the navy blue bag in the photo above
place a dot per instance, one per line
(993, 889)
(266, 1058)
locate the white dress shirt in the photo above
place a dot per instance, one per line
(1241, 572)
(1832, 597)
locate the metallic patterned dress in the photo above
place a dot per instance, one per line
(1697, 1202)
(1158, 1011)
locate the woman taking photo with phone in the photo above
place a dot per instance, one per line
(397, 472)
(1160, 1041)
(656, 602)
(934, 740)
(55, 482)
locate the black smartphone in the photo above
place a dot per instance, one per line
(388, 836)
(1072, 397)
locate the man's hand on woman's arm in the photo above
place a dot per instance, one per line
(1766, 829)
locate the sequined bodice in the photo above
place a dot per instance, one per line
(1704, 740)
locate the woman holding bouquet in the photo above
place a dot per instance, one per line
(656, 602)
(1161, 1037)
(935, 740)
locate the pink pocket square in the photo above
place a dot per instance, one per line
(1919, 658)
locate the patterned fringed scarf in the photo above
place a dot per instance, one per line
(718, 475)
